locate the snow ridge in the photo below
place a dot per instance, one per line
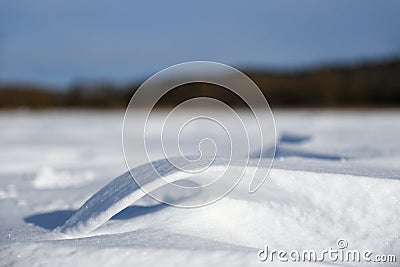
(330, 194)
(123, 191)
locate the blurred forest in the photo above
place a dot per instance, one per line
(374, 84)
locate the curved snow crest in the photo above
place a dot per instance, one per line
(124, 191)
(313, 202)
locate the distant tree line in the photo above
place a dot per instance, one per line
(362, 85)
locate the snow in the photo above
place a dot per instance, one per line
(336, 175)
(48, 178)
(9, 192)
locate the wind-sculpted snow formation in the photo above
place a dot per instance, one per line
(124, 191)
(320, 202)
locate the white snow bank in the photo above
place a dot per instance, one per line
(292, 210)
(48, 178)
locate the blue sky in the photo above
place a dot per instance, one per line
(59, 42)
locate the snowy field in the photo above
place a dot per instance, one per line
(336, 176)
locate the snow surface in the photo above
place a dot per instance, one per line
(336, 175)
(48, 178)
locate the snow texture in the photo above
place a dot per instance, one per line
(336, 175)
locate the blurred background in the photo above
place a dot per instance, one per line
(94, 54)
